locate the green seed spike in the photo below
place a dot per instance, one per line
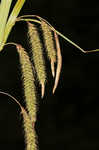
(49, 44)
(38, 58)
(28, 82)
(30, 135)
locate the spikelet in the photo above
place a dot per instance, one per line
(28, 82)
(37, 52)
(30, 135)
(49, 44)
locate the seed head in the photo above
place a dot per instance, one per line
(28, 82)
(30, 135)
(49, 44)
(37, 54)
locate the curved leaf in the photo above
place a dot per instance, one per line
(4, 11)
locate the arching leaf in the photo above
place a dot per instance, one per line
(4, 11)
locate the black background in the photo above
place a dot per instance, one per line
(69, 119)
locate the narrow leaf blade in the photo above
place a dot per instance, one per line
(12, 18)
(4, 11)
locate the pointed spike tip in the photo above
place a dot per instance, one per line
(42, 90)
(53, 68)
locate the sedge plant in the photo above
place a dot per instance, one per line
(38, 67)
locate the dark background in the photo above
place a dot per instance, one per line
(69, 119)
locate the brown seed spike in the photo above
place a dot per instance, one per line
(59, 62)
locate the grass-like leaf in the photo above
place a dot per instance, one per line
(12, 18)
(4, 11)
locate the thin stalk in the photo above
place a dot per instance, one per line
(52, 28)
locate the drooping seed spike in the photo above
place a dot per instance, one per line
(30, 135)
(28, 82)
(49, 44)
(59, 62)
(37, 54)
